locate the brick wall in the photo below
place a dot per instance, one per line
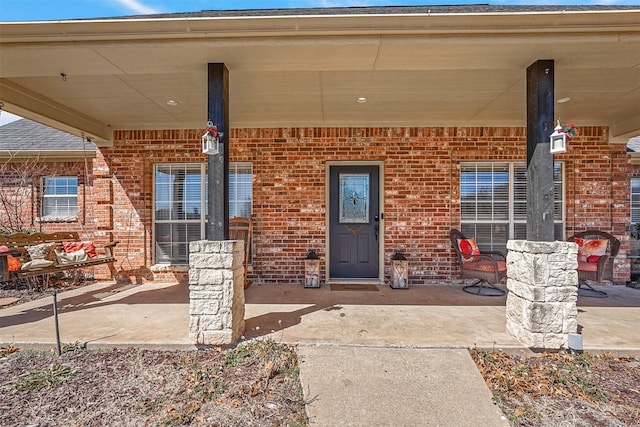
(421, 167)
(421, 200)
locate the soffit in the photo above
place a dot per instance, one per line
(448, 70)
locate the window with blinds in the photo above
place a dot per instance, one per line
(180, 206)
(240, 190)
(59, 198)
(635, 200)
(493, 202)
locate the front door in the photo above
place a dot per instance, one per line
(354, 222)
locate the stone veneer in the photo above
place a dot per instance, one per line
(216, 291)
(543, 289)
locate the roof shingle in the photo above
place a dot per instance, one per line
(26, 135)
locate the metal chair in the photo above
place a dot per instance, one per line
(489, 267)
(596, 271)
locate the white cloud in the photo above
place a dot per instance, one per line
(137, 7)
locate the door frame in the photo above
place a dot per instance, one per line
(380, 165)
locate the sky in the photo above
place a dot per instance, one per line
(38, 10)
(47, 10)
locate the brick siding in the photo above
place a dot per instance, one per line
(421, 183)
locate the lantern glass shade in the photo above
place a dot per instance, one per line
(558, 140)
(312, 273)
(210, 144)
(399, 273)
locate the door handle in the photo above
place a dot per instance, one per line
(376, 225)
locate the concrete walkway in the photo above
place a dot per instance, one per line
(367, 358)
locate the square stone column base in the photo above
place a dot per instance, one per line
(543, 289)
(216, 292)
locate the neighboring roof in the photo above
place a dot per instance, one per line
(633, 146)
(25, 138)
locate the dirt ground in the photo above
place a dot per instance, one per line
(257, 384)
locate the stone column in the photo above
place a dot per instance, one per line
(543, 289)
(216, 291)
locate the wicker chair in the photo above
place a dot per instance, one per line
(596, 271)
(490, 268)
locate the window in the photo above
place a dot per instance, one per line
(59, 197)
(635, 200)
(180, 206)
(493, 203)
(240, 190)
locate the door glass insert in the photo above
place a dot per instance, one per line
(354, 198)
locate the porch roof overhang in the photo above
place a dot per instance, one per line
(307, 70)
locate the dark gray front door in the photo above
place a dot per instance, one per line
(354, 222)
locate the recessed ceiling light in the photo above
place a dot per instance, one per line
(361, 100)
(172, 103)
(563, 100)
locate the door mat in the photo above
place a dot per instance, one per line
(352, 287)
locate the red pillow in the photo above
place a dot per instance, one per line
(465, 247)
(88, 246)
(587, 248)
(593, 258)
(468, 247)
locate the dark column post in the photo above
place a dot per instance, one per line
(218, 165)
(540, 118)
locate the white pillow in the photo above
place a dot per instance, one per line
(36, 263)
(71, 257)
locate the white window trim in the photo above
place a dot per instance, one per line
(202, 220)
(512, 221)
(637, 205)
(43, 197)
(233, 167)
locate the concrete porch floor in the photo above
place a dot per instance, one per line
(156, 315)
(359, 350)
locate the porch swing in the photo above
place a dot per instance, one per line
(33, 259)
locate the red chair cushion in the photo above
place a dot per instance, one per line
(587, 266)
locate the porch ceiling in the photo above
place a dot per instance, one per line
(417, 70)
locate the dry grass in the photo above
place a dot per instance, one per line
(253, 384)
(563, 389)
